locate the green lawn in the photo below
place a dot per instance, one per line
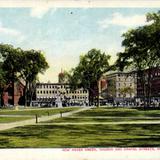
(81, 136)
(51, 135)
(94, 119)
(39, 111)
(119, 112)
(13, 119)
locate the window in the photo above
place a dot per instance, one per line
(44, 92)
(41, 92)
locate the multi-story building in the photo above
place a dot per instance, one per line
(143, 85)
(121, 86)
(48, 93)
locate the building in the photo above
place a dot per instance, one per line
(17, 99)
(143, 86)
(121, 86)
(48, 93)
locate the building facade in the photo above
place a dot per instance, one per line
(14, 96)
(143, 85)
(48, 93)
(121, 86)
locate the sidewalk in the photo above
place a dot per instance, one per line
(101, 123)
(5, 126)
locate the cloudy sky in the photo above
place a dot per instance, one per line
(65, 33)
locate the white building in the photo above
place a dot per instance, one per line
(49, 92)
(116, 82)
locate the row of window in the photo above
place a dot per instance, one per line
(126, 79)
(125, 95)
(125, 84)
(79, 97)
(71, 97)
(52, 86)
(55, 92)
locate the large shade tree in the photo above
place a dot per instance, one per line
(88, 72)
(18, 64)
(11, 59)
(142, 52)
(34, 63)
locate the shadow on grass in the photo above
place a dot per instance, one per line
(82, 136)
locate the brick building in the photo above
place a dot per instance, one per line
(7, 96)
(143, 86)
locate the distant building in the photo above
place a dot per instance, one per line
(47, 93)
(154, 84)
(62, 77)
(118, 81)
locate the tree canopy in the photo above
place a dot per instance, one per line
(88, 72)
(142, 46)
(142, 51)
(20, 64)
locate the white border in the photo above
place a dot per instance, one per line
(82, 3)
(59, 154)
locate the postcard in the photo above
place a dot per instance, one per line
(80, 80)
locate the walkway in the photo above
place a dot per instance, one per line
(101, 123)
(5, 126)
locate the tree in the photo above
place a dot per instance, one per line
(11, 59)
(19, 64)
(142, 51)
(2, 81)
(111, 89)
(126, 90)
(89, 71)
(34, 63)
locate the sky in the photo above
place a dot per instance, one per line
(63, 34)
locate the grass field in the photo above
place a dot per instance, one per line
(119, 112)
(24, 113)
(50, 135)
(39, 111)
(13, 119)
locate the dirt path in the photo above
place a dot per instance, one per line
(5, 126)
(101, 123)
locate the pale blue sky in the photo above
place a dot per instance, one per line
(65, 33)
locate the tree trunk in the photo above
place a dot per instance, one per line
(13, 93)
(98, 94)
(149, 89)
(25, 94)
(144, 89)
